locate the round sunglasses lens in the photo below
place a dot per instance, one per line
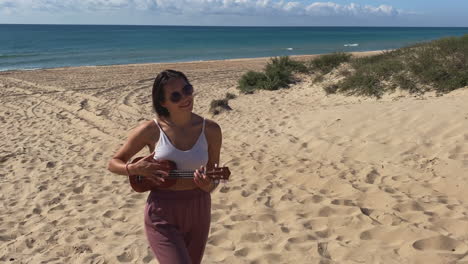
(188, 89)
(175, 97)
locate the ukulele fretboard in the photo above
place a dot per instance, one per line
(181, 174)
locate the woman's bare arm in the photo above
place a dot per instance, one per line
(143, 135)
(214, 138)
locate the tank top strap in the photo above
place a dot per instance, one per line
(203, 128)
(162, 135)
(156, 121)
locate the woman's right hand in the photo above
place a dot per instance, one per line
(150, 169)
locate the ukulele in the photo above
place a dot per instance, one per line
(141, 184)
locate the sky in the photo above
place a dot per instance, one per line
(430, 13)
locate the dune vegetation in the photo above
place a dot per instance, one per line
(440, 66)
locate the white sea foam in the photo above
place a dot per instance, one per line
(19, 69)
(351, 45)
(289, 48)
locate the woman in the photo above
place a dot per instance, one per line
(177, 218)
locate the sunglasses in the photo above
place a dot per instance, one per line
(187, 90)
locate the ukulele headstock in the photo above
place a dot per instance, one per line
(220, 173)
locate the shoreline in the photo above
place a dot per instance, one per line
(300, 57)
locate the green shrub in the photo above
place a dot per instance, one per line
(379, 68)
(219, 105)
(326, 63)
(251, 81)
(441, 64)
(406, 84)
(361, 84)
(285, 62)
(230, 96)
(319, 78)
(331, 89)
(218, 102)
(278, 73)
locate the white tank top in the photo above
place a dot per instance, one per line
(190, 159)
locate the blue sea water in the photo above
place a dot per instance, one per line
(50, 46)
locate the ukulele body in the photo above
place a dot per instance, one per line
(141, 184)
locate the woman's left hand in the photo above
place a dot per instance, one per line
(201, 180)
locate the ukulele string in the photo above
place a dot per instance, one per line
(182, 174)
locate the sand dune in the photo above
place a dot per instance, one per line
(316, 178)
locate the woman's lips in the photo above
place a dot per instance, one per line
(187, 105)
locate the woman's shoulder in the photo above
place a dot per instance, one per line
(148, 124)
(212, 128)
(210, 124)
(148, 129)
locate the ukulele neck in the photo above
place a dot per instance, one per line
(181, 174)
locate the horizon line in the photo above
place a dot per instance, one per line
(149, 25)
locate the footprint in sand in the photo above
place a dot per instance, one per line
(323, 233)
(442, 243)
(240, 217)
(59, 207)
(30, 242)
(408, 206)
(78, 189)
(388, 189)
(289, 196)
(108, 214)
(371, 176)
(95, 259)
(252, 237)
(322, 249)
(270, 258)
(219, 240)
(243, 252)
(125, 257)
(82, 236)
(343, 202)
(82, 248)
(266, 217)
(215, 217)
(106, 188)
(245, 193)
(301, 239)
(148, 258)
(308, 225)
(97, 157)
(284, 229)
(326, 211)
(37, 210)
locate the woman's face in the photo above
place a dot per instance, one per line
(178, 96)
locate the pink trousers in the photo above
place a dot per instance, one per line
(177, 224)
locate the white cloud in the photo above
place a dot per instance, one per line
(204, 7)
(330, 8)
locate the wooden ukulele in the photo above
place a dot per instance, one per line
(141, 184)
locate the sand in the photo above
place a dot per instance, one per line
(315, 178)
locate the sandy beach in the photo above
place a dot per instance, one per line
(315, 178)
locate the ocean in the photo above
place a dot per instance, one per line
(51, 46)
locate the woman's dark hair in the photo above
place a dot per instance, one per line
(158, 89)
